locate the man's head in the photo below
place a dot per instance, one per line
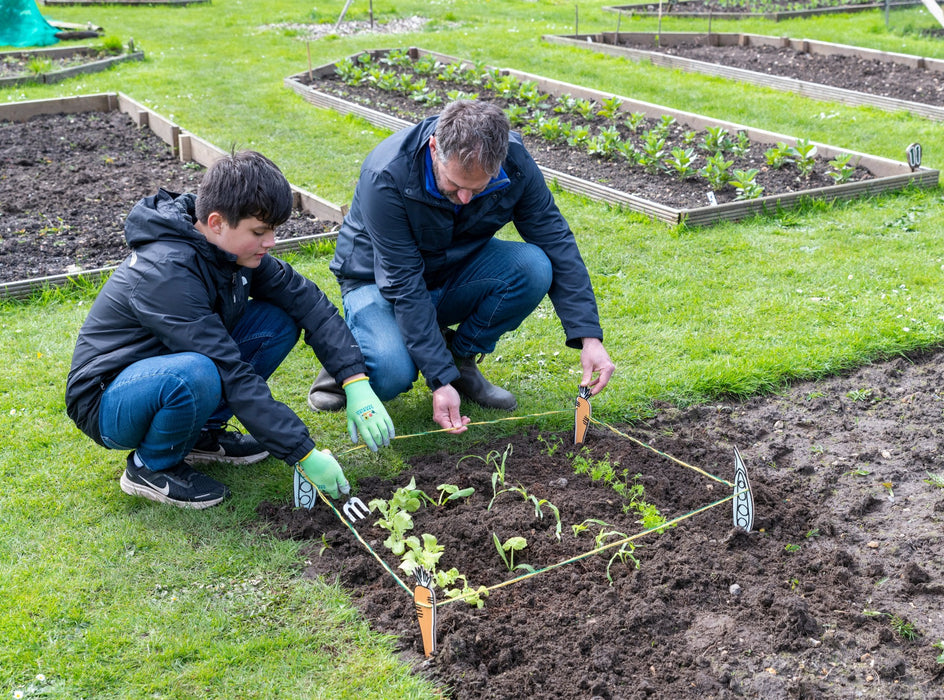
(469, 146)
(241, 200)
(245, 185)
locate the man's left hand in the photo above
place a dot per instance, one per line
(595, 361)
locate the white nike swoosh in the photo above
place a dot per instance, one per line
(164, 490)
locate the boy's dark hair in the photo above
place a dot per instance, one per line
(242, 185)
(474, 134)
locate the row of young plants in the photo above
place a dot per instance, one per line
(425, 552)
(600, 128)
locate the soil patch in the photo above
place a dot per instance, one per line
(874, 77)
(837, 593)
(751, 7)
(68, 183)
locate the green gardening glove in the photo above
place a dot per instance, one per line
(325, 472)
(366, 415)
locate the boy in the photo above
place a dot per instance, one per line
(186, 331)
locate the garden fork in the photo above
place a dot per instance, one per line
(305, 492)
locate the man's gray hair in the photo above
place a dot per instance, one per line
(474, 134)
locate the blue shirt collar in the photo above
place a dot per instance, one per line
(496, 183)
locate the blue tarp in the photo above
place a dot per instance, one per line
(21, 24)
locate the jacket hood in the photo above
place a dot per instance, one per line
(161, 216)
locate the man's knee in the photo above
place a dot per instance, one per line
(391, 376)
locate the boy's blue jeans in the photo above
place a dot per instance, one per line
(492, 295)
(158, 406)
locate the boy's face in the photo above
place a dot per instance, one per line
(250, 240)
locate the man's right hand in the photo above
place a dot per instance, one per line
(446, 410)
(325, 472)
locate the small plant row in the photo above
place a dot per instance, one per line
(602, 129)
(424, 551)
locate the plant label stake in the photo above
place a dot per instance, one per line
(914, 156)
(581, 415)
(305, 493)
(424, 601)
(743, 499)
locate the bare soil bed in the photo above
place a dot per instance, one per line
(836, 593)
(869, 76)
(69, 181)
(758, 7)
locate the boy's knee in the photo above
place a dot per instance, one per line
(390, 379)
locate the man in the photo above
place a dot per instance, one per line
(186, 332)
(417, 254)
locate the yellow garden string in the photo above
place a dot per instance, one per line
(577, 558)
(572, 560)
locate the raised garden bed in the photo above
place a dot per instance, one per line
(125, 2)
(613, 152)
(775, 10)
(74, 166)
(53, 65)
(817, 69)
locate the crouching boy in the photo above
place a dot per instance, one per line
(187, 330)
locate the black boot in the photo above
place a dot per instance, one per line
(476, 388)
(325, 394)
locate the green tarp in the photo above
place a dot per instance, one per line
(21, 24)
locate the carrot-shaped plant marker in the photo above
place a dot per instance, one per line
(424, 600)
(581, 415)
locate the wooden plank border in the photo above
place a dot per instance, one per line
(634, 10)
(889, 175)
(185, 145)
(55, 76)
(609, 43)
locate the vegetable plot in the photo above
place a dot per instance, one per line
(670, 164)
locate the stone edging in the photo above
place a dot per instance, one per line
(609, 43)
(889, 175)
(187, 146)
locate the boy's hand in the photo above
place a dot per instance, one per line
(366, 415)
(325, 472)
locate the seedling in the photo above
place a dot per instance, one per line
(624, 553)
(451, 492)
(744, 184)
(805, 153)
(858, 395)
(634, 120)
(858, 472)
(792, 548)
(682, 161)
(841, 170)
(498, 462)
(939, 645)
(778, 156)
(517, 114)
(396, 514)
(507, 552)
(716, 139)
(903, 628)
(936, 480)
(610, 107)
(717, 171)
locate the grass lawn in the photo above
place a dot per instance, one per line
(108, 596)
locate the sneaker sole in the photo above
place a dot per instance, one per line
(133, 489)
(198, 457)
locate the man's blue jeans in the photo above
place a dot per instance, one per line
(158, 406)
(492, 295)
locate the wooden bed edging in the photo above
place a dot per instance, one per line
(185, 145)
(775, 16)
(54, 76)
(608, 43)
(889, 175)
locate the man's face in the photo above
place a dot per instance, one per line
(250, 240)
(455, 183)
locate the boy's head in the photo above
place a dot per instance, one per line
(243, 185)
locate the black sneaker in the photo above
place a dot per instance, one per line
(180, 486)
(221, 445)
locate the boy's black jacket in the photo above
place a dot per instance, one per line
(176, 292)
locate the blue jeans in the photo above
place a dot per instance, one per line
(159, 405)
(490, 296)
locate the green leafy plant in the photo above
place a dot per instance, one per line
(396, 512)
(717, 171)
(779, 155)
(651, 152)
(507, 549)
(840, 171)
(792, 548)
(939, 645)
(903, 628)
(451, 492)
(805, 154)
(745, 184)
(936, 480)
(610, 107)
(517, 114)
(499, 463)
(634, 121)
(715, 140)
(682, 161)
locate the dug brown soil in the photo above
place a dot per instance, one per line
(870, 76)
(836, 593)
(69, 181)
